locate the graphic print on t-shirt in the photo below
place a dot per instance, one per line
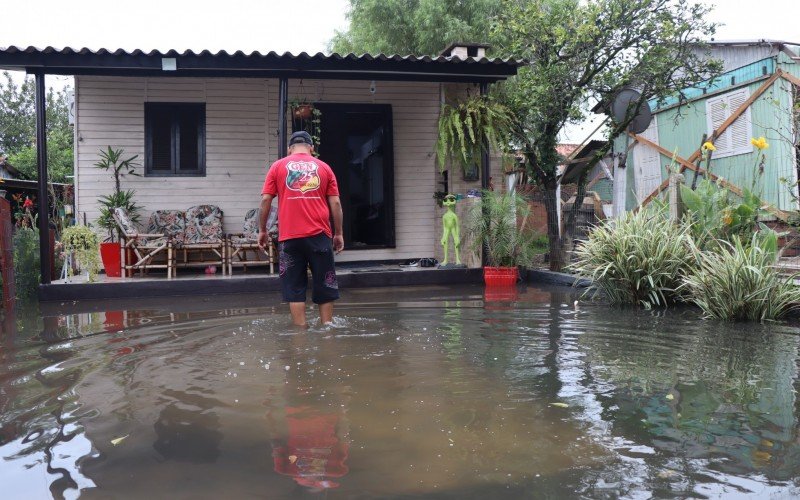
(302, 176)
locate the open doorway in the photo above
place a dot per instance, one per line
(356, 141)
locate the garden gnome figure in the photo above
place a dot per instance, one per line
(451, 227)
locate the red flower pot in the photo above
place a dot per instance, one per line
(500, 276)
(110, 253)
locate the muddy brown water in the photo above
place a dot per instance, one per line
(429, 392)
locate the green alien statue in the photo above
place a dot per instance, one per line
(451, 227)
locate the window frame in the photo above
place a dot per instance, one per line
(727, 145)
(172, 107)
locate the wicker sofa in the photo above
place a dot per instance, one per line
(196, 235)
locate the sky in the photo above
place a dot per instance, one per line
(278, 25)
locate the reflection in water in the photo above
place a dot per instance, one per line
(453, 393)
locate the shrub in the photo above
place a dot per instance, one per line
(739, 281)
(500, 220)
(26, 261)
(82, 243)
(637, 259)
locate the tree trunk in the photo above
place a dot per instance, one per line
(551, 203)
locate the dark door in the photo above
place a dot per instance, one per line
(356, 141)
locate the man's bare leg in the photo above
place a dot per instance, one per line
(326, 312)
(298, 310)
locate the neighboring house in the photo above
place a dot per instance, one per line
(206, 126)
(7, 171)
(764, 68)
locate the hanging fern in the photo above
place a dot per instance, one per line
(466, 128)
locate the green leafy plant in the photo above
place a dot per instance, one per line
(500, 222)
(81, 241)
(638, 259)
(111, 160)
(306, 116)
(26, 261)
(739, 281)
(467, 128)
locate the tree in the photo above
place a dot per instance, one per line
(580, 51)
(18, 130)
(412, 26)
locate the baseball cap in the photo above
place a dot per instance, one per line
(301, 137)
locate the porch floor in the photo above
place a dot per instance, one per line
(196, 282)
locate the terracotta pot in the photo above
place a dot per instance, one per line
(110, 253)
(303, 111)
(500, 276)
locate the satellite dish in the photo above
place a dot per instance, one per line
(621, 110)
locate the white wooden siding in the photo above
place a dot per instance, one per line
(647, 163)
(241, 142)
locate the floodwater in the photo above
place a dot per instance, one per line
(429, 392)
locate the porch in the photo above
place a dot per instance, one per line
(235, 106)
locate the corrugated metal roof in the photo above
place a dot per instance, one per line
(257, 54)
(68, 60)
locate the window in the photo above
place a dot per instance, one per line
(735, 140)
(175, 139)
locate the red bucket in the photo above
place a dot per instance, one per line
(500, 276)
(110, 253)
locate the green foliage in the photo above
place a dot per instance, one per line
(500, 220)
(112, 160)
(18, 129)
(638, 259)
(423, 27)
(581, 51)
(465, 129)
(26, 261)
(717, 216)
(82, 242)
(739, 281)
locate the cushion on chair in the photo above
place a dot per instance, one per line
(168, 222)
(125, 223)
(203, 225)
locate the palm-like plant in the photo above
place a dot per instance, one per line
(111, 159)
(500, 223)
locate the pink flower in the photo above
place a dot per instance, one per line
(28, 203)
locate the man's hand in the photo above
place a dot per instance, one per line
(263, 240)
(338, 243)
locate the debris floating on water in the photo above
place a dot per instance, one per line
(119, 439)
(560, 405)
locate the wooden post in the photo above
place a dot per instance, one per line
(485, 168)
(7, 255)
(41, 156)
(675, 202)
(283, 95)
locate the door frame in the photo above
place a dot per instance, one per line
(388, 166)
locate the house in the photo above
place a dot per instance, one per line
(7, 170)
(206, 126)
(756, 95)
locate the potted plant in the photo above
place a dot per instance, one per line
(112, 160)
(306, 116)
(81, 242)
(499, 224)
(467, 128)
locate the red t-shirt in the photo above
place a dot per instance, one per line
(302, 184)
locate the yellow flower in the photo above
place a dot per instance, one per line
(727, 219)
(760, 143)
(709, 146)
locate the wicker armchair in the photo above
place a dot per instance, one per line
(242, 248)
(142, 251)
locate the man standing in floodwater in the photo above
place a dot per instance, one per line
(307, 196)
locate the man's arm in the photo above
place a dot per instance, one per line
(263, 236)
(338, 233)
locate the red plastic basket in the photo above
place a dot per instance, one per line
(500, 276)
